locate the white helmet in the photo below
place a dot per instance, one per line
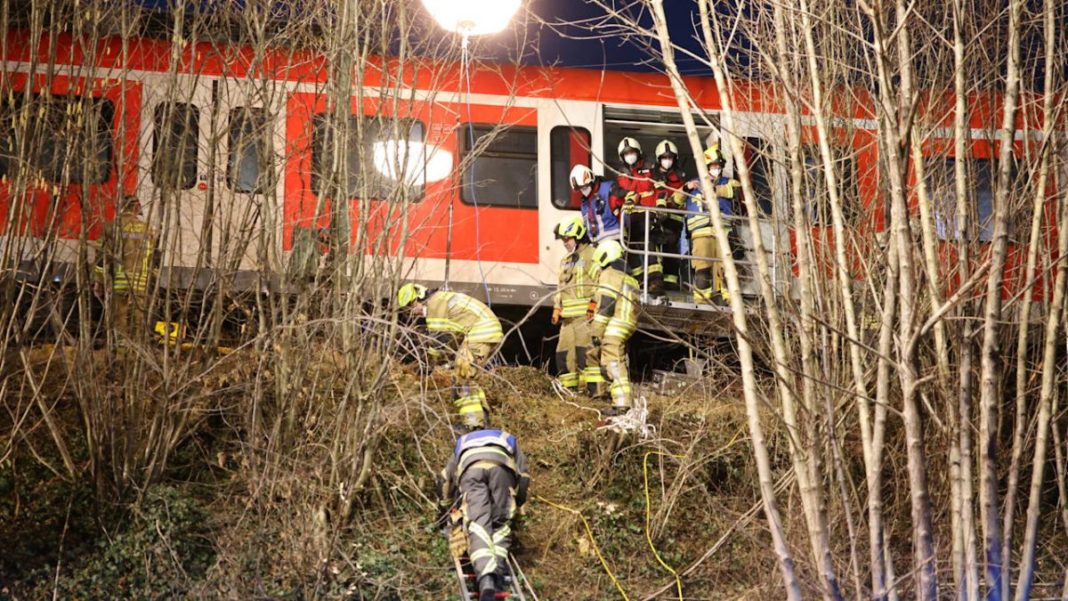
(628, 144)
(667, 147)
(581, 176)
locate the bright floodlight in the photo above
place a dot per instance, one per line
(472, 17)
(415, 162)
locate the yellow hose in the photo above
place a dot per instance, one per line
(593, 541)
(648, 519)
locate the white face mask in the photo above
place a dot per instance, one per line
(714, 172)
(630, 158)
(586, 190)
(667, 163)
(570, 244)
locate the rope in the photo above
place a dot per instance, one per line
(593, 541)
(632, 421)
(649, 518)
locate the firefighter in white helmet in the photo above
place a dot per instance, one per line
(670, 183)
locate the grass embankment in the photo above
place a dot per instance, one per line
(219, 525)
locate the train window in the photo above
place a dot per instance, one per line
(55, 133)
(815, 188)
(501, 166)
(371, 156)
(249, 167)
(941, 182)
(568, 146)
(174, 145)
(760, 173)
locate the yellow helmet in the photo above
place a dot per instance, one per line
(571, 226)
(409, 293)
(608, 252)
(713, 155)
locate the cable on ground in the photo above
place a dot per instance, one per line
(593, 541)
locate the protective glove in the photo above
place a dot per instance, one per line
(556, 315)
(457, 542)
(630, 198)
(465, 364)
(591, 310)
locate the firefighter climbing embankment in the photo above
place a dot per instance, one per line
(481, 487)
(462, 325)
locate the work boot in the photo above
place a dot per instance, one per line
(487, 588)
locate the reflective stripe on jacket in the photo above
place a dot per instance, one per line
(462, 316)
(127, 255)
(700, 225)
(495, 446)
(578, 276)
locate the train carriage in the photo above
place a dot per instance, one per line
(234, 155)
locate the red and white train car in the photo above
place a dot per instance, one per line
(233, 141)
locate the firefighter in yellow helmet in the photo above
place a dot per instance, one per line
(464, 325)
(578, 277)
(124, 269)
(708, 283)
(614, 313)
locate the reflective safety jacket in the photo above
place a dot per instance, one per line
(578, 277)
(495, 447)
(617, 305)
(602, 222)
(700, 225)
(126, 255)
(456, 315)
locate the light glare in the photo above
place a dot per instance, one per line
(472, 17)
(420, 163)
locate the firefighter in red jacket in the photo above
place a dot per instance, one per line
(634, 186)
(669, 182)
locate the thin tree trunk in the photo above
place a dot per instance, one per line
(989, 354)
(760, 451)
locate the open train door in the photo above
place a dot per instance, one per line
(176, 112)
(247, 128)
(569, 131)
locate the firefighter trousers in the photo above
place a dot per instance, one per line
(469, 398)
(488, 506)
(707, 270)
(613, 361)
(572, 347)
(670, 234)
(637, 261)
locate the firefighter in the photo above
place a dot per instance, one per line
(124, 269)
(487, 477)
(598, 211)
(708, 283)
(465, 325)
(670, 183)
(635, 186)
(614, 313)
(578, 276)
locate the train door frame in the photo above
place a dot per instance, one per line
(182, 215)
(551, 115)
(257, 209)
